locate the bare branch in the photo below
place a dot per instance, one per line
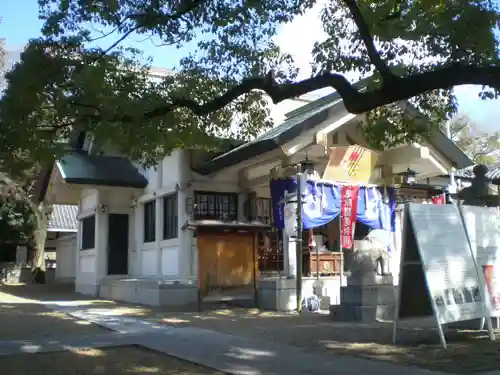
(355, 101)
(146, 18)
(367, 39)
(117, 42)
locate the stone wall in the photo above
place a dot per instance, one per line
(11, 272)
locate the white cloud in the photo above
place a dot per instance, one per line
(298, 37)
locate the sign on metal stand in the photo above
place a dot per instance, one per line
(483, 229)
(438, 275)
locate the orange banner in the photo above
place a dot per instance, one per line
(352, 164)
(488, 271)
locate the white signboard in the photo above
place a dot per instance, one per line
(483, 228)
(452, 278)
(436, 255)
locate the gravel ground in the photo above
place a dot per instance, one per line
(116, 361)
(26, 318)
(468, 351)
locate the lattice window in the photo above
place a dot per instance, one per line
(215, 206)
(271, 251)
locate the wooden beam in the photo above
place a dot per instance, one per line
(403, 155)
(259, 181)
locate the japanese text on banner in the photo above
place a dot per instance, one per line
(348, 213)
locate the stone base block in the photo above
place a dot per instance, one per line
(280, 294)
(50, 276)
(65, 280)
(368, 295)
(367, 298)
(87, 289)
(362, 313)
(149, 292)
(14, 273)
(370, 279)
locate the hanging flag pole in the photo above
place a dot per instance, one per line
(299, 240)
(340, 246)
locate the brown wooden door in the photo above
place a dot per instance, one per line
(225, 261)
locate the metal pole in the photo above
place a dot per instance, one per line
(298, 242)
(340, 245)
(453, 188)
(317, 256)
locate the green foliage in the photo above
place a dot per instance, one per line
(412, 36)
(480, 147)
(64, 82)
(17, 222)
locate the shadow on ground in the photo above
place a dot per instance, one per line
(468, 351)
(118, 360)
(23, 316)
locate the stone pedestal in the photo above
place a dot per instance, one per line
(366, 298)
(150, 292)
(22, 255)
(281, 293)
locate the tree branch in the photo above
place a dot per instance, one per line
(356, 102)
(367, 38)
(145, 18)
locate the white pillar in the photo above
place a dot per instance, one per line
(289, 233)
(186, 256)
(101, 244)
(158, 235)
(185, 238)
(159, 220)
(290, 255)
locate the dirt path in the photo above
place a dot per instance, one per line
(116, 361)
(23, 315)
(468, 351)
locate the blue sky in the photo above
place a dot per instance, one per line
(20, 23)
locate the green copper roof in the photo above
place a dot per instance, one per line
(269, 141)
(81, 168)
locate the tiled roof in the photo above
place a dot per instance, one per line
(63, 218)
(81, 168)
(493, 172)
(305, 118)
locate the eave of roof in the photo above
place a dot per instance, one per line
(467, 174)
(305, 118)
(63, 218)
(83, 169)
(271, 140)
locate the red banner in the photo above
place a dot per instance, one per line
(348, 212)
(439, 199)
(488, 272)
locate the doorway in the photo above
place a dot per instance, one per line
(118, 244)
(227, 263)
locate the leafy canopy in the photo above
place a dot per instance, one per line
(480, 147)
(414, 50)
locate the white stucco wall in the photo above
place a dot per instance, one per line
(66, 258)
(86, 260)
(164, 258)
(177, 258)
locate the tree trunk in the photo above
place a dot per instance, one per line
(42, 221)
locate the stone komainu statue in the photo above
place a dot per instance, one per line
(370, 256)
(477, 193)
